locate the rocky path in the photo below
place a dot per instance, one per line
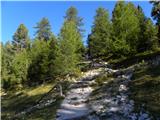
(111, 101)
(74, 105)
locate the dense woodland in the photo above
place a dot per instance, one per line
(31, 62)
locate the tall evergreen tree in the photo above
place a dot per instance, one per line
(53, 48)
(20, 38)
(142, 24)
(38, 70)
(67, 56)
(72, 15)
(150, 35)
(20, 66)
(43, 30)
(156, 14)
(100, 39)
(7, 76)
(125, 27)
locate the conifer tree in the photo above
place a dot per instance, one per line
(156, 14)
(43, 30)
(67, 56)
(150, 35)
(100, 38)
(142, 24)
(147, 39)
(20, 66)
(53, 48)
(20, 38)
(72, 15)
(7, 76)
(38, 70)
(126, 28)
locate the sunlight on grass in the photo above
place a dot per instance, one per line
(16, 101)
(39, 90)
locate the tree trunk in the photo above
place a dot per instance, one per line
(60, 88)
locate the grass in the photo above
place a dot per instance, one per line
(145, 88)
(123, 62)
(105, 78)
(47, 113)
(16, 101)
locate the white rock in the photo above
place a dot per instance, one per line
(122, 88)
(113, 109)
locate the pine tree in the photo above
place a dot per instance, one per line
(156, 14)
(72, 15)
(150, 35)
(125, 28)
(67, 56)
(38, 70)
(20, 66)
(147, 35)
(142, 24)
(43, 30)
(20, 38)
(7, 76)
(100, 38)
(53, 48)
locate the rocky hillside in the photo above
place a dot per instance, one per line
(104, 93)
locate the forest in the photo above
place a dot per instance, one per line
(127, 37)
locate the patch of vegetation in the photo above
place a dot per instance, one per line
(145, 88)
(103, 79)
(123, 62)
(47, 113)
(17, 101)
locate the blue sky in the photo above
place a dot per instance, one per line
(29, 13)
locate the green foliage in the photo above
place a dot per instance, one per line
(7, 75)
(142, 24)
(156, 14)
(145, 88)
(125, 27)
(53, 51)
(38, 70)
(72, 15)
(156, 11)
(20, 38)
(46, 57)
(20, 66)
(99, 40)
(43, 30)
(150, 37)
(148, 33)
(67, 56)
(120, 48)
